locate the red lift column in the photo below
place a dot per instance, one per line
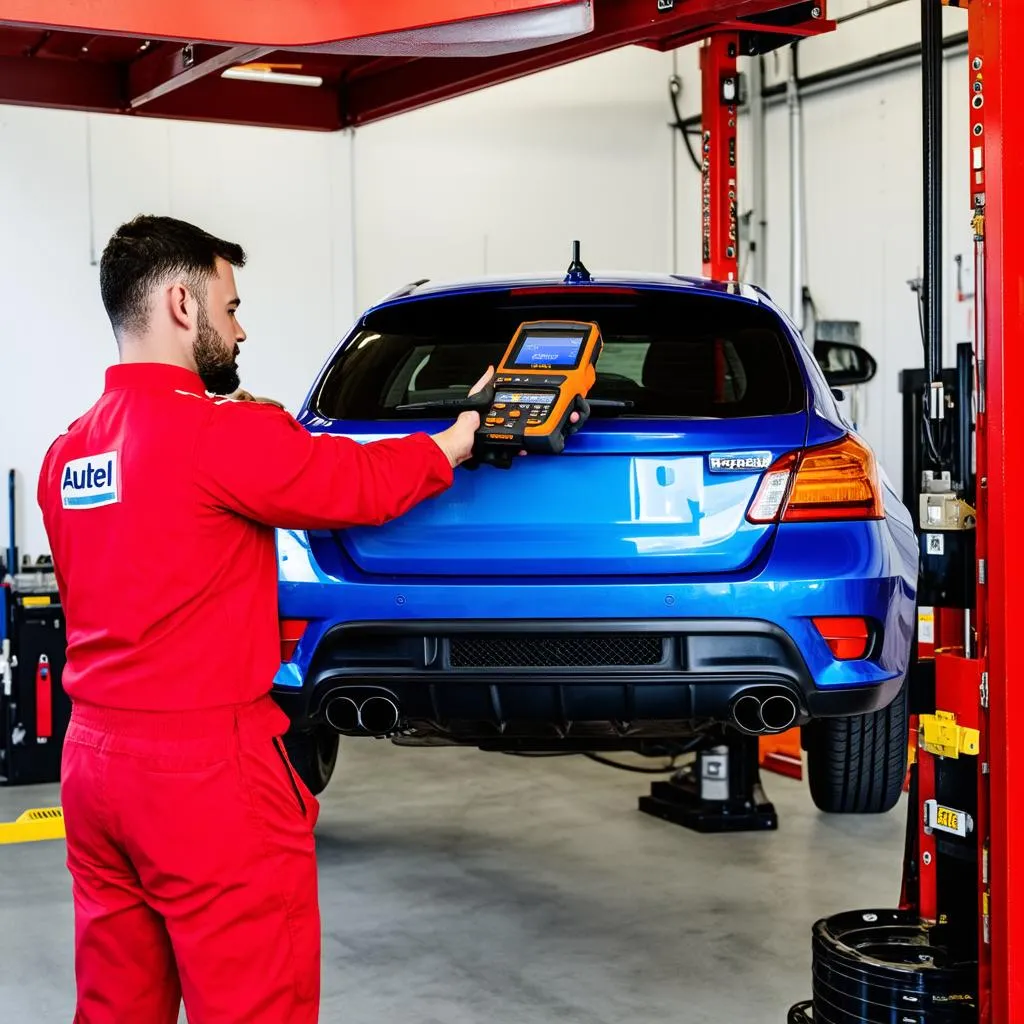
(997, 31)
(719, 202)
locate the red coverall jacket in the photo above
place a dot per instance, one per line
(159, 504)
(189, 837)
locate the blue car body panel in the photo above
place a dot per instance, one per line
(634, 525)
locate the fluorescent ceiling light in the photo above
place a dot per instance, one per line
(258, 74)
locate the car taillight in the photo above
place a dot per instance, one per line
(847, 638)
(291, 634)
(772, 492)
(833, 481)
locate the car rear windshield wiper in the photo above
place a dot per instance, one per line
(482, 401)
(479, 402)
(610, 406)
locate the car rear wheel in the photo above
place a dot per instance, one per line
(857, 765)
(313, 754)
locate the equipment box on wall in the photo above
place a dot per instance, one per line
(34, 710)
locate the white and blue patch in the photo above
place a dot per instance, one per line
(90, 482)
(739, 462)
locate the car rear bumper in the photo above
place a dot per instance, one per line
(719, 635)
(526, 683)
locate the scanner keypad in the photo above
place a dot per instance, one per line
(519, 409)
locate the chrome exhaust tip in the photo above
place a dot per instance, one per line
(746, 713)
(378, 715)
(342, 714)
(778, 713)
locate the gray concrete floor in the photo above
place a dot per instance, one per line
(462, 888)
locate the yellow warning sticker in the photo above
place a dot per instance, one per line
(35, 600)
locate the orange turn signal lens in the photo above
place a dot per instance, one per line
(836, 481)
(847, 637)
(291, 634)
(831, 482)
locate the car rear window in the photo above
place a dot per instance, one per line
(671, 355)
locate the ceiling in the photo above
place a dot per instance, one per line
(375, 62)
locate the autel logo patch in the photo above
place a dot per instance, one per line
(738, 462)
(90, 482)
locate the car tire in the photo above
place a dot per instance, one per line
(313, 754)
(857, 765)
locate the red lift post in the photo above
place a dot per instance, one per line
(997, 41)
(720, 100)
(977, 695)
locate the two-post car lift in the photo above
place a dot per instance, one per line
(375, 60)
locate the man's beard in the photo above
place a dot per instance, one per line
(216, 365)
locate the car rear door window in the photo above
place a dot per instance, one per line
(666, 355)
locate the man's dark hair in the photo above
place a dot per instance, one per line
(148, 250)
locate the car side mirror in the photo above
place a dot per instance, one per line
(844, 364)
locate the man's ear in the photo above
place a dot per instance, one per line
(181, 305)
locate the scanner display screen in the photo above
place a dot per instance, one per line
(546, 351)
(519, 398)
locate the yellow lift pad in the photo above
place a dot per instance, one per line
(33, 826)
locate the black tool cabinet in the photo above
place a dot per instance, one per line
(34, 710)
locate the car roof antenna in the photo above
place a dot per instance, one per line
(576, 272)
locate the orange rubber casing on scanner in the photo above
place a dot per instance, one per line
(541, 396)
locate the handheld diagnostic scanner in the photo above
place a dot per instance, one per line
(543, 378)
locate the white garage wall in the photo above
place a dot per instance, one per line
(285, 196)
(863, 234)
(858, 38)
(503, 180)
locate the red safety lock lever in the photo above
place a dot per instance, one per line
(44, 700)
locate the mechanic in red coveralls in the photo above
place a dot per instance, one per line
(189, 836)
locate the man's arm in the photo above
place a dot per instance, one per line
(44, 486)
(256, 460)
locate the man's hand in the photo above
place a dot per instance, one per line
(457, 441)
(241, 395)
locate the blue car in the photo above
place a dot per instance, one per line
(714, 547)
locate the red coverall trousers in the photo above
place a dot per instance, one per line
(190, 837)
(190, 843)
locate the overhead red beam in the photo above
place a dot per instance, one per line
(800, 31)
(622, 23)
(250, 103)
(79, 85)
(173, 80)
(68, 85)
(276, 23)
(171, 66)
(367, 67)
